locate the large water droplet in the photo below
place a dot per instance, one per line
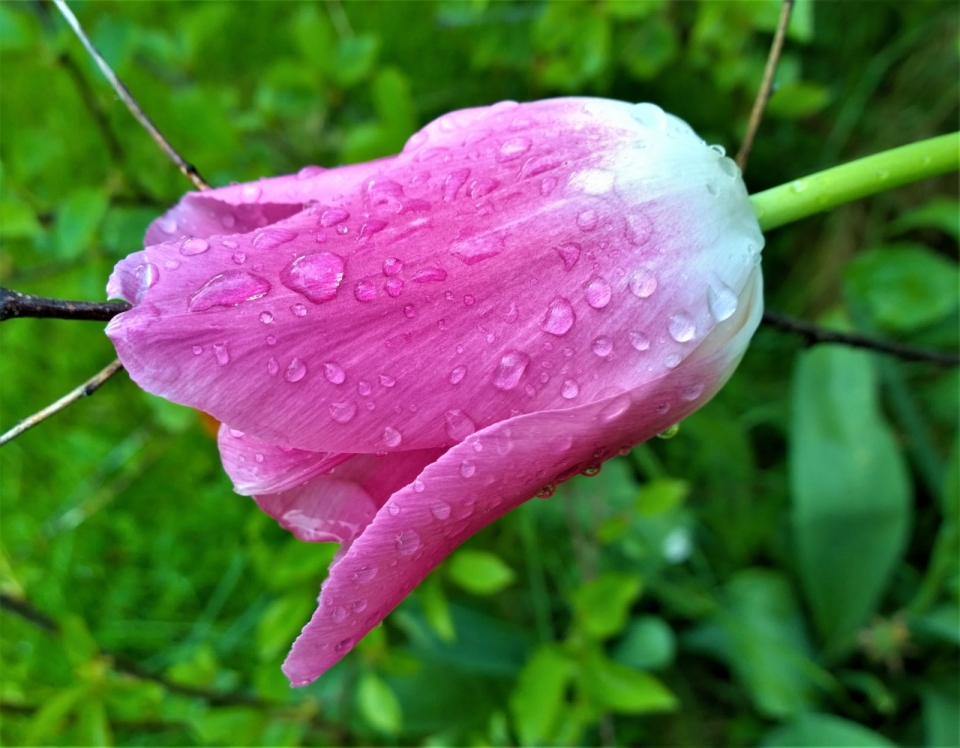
(230, 288)
(649, 115)
(570, 389)
(513, 148)
(467, 469)
(511, 368)
(722, 301)
(643, 283)
(365, 291)
(392, 437)
(638, 229)
(459, 425)
(339, 614)
(559, 317)
(453, 183)
(482, 187)
(440, 509)
(273, 238)
(266, 318)
(430, 275)
(221, 353)
(569, 253)
(193, 246)
(681, 328)
(588, 220)
(615, 408)
(299, 310)
(407, 542)
(250, 193)
(296, 371)
(457, 375)
(672, 361)
(639, 341)
(316, 275)
(333, 216)
(691, 392)
(365, 574)
(343, 412)
(386, 381)
(363, 388)
(392, 266)
(603, 346)
(334, 372)
(597, 292)
(473, 249)
(393, 287)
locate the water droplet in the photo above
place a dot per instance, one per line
(593, 181)
(299, 310)
(333, 216)
(296, 371)
(393, 287)
(729, 167)
(467, 469)
(722, 301)
(547, 185)
(171, 264)
(587, 220)
(364, 388)
(649, 115)
(719, 149)
(712, 187)
(192, 246)
(250, 193)
(416, 141)
(468, 300)
(230, 288)
(197, 350)
(365, 574)
(691, 392)
(339, 614)
(359, 605)
(681, 328)
(591, 472)
(407, 542)
(273, 366)
(273, 238)
(343, 412)
(603, 346)
(457, 375)
(430, 275)
(482, 187)
(570, 389)
(387, 381)
(258, 457)
(670, 432)
(365, 291)
(459, 425)
(343, 644)
(409, 311)
(394, 508)
(513, 148)
(220, 351)
(474, 249)
(639, 341)
(266, 318)
(334, 372)
(672, 361)
(440, 509)
(392, 437)
(638, 229)
(392, 266)
(309, 172)
(615, 408)
(452, 184)
(547, 491)
(597, 292)
(511, 368)
(559, 317)
(316, 275)
(569, 253)
(642, 284)
(167, 224)
(562, 443)
(239, 258)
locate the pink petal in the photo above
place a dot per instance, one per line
(490, 473)
(513, 259)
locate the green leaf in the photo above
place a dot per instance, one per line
(199, 670)
(436, 609)
(942, 213)
(281, 622)
(78, 218)
(624, 690)
(797, 100)
(824, 731)
(603, 604)
(851, 497)
(941, 713)
(356, 57)
(231, 725)
(77, 640)
(92, 725)
(378, 704)
(662, 495)
(17, 219)
(539, 695)
(647, 644)
(904, 286)
(480, 572)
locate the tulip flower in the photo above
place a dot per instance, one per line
(404, 350)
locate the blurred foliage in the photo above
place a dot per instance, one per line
(783, 572)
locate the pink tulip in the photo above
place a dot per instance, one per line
(405, 350)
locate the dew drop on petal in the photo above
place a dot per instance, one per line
(343, 412)
(439, 509)
(457, 375)
(230, 288)
(513, 148)
(511, 368)
(171, 264)
(559, 317)
(250, 193)
(266, 318)
(547, 185)
(407, 542)
(672, 361)
(409, 311)
(339, 614)
(473, 249)
(333, 216)
(453, 183)
(393, 508)
(650, 116)
(192, 246)
(386, 381)
(467, 469)
(393, 287)
(597, 292)
(691, 392)
(197, 350)
(365, 291)
(642, 284)
(334, 372)
(239, 258)
(639, 341)
(570, 389)
(588, 220)
(430, 275)
(459, 425)
(316, 275)
(273, 238)
(392, 437)
(365, 574)
(364, 388)
(309, 172)
(722, 301)
(569, 253)
(681, 328)
(221, 353)
(482, 187)
(468, 300)
(296, 371)
(638, 230)
(271, 340)
(602, 346)
(615, 408)
(299, 310)
(167, 224)
(392, 266)
(273, 366)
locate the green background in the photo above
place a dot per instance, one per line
(783, 572)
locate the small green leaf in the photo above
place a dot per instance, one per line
(436, 609)
(538, 698)
(647, 644)
(797, 100)
(78, 218)
(603, 604)
(378, 704)
(942, 213)
(622, 689)
(356, 57)
(661, 495)
(824, 731)
(17, 219)
(77, 640)
(280, 623)
(480, 572)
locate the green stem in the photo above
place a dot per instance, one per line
(827, 189)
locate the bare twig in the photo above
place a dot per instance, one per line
(87, 388)
(814, 334)
(16, 304)
(766, 85)
(188, 170)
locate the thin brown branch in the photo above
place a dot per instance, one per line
(87, 388)
(188, 170)
(15, 304)
(766, 85)
(814, 334)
